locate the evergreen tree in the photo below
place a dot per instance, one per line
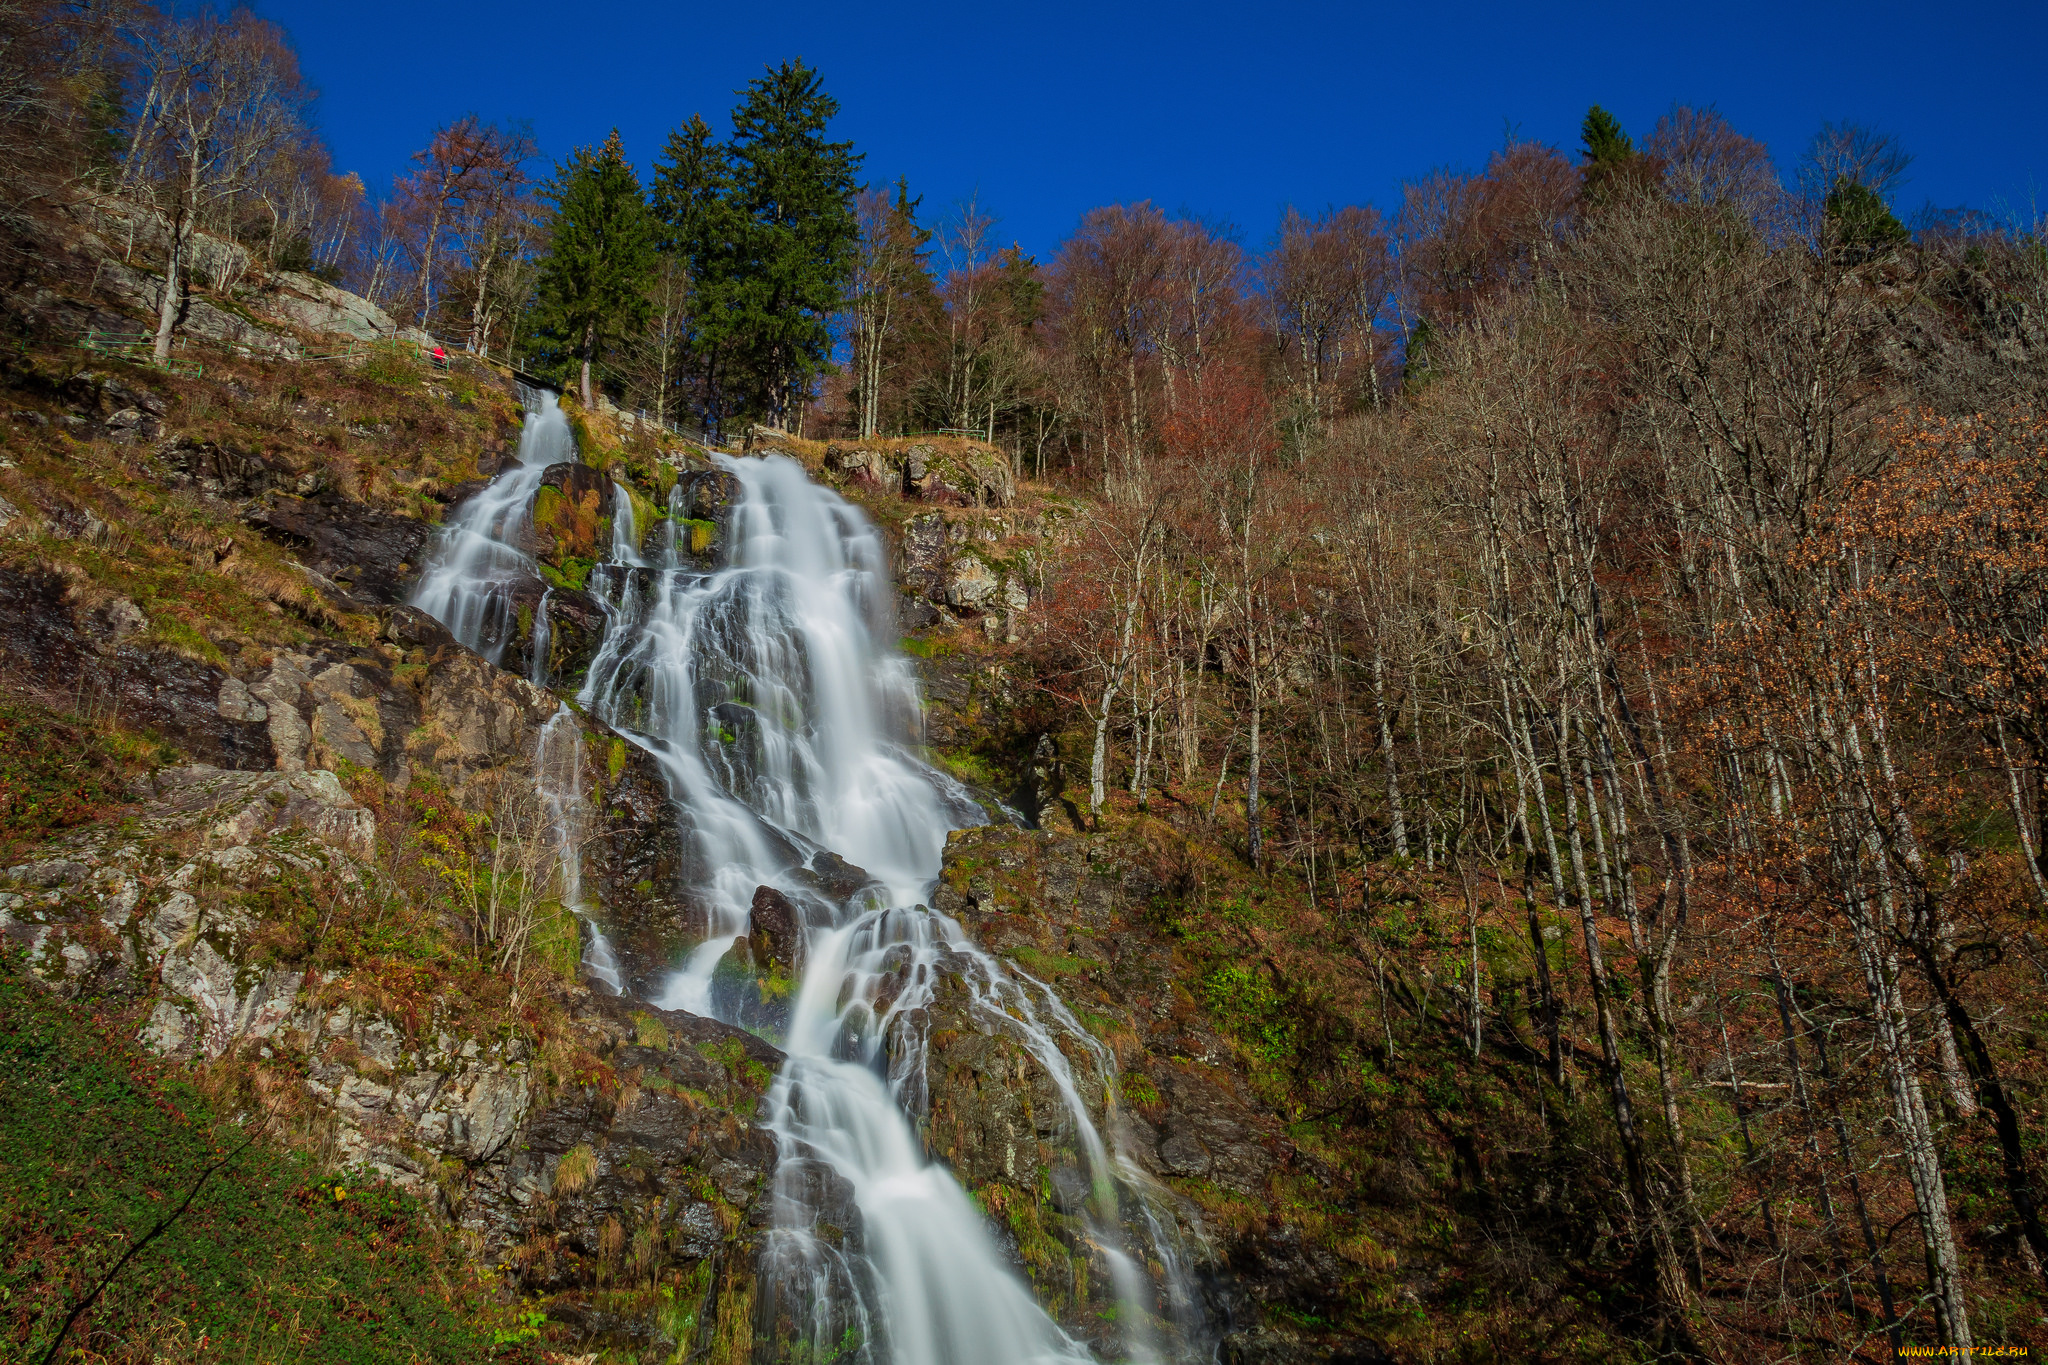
(1605, 142)
(592, 288)
(1416, 373)
(692, 191)
(1861, 224)
(794, 233)
(1610, 157)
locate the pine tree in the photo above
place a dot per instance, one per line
(793, 240)
(592, 281)
(1605, 142)
(1862, 224)
(1610, 156)
(692, 192)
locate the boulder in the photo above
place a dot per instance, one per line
(704, 503)
(317, 306)
(373, 557)
(752, 993)
(775, 930)
(970, 584)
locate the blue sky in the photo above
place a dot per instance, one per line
(1230, 112)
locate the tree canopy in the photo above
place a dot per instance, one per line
(592, 279)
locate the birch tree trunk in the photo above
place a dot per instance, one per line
(167, 306)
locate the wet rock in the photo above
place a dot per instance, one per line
(568, 625)
(54, 639)
(1182, 1153)
(414, 629)
(372, 556)
(776, 931)
(1071, 1188)
(635, 866)
(705, 499)
(756, 994)
(835, 878)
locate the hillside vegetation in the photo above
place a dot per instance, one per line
(1527, 719)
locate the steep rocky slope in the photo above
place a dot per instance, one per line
(274, 885)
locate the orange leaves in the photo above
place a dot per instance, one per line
(1945, 544)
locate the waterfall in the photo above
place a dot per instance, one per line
(481, 557)
(559, 774)
(769, 692)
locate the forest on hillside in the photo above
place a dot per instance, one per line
(1607, 585)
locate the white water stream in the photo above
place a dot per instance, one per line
(770, 693)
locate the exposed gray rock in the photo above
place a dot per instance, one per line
(245, 806)
(970, 584)
(318, 306)
(236, 702)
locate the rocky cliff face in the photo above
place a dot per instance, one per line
(614, 1154)
(222, 563)
(1167, 1090)
(219, 565)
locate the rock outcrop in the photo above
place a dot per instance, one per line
(629, 1155)
(953, 472)
(978, 567)
(1175, 1103)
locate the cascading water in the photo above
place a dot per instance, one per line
(769, 694)
(481, 558)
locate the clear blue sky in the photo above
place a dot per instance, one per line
(1229, 111)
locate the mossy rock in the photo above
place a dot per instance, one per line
(570, 521)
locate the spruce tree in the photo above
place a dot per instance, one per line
(691, 194)
(794, 233)
(591, 290)
(1609, 155)
(1861, 223)
(1605, 142)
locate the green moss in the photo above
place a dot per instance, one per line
(1242, 998)
(615, 762)
(777, 985)
(580, 430)
(699, 533)
(270, 1255)
(182, 638)
(547, 505)
(557, 942)
(645, 514)
(929, 646)
(1043, 964)
(971, 767)
(572, 574)
(649, 1031)
(391, 362)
